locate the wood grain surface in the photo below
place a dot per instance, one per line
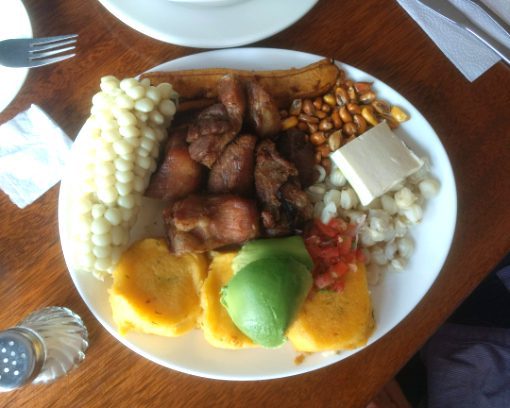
(377, 36)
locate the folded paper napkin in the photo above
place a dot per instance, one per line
(33, 152)
(465, 51)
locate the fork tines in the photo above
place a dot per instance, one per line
(42, 48)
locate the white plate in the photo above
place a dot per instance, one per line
(393, 298)
(14, 23)
(209, 26)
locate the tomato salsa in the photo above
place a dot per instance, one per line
(333, 248)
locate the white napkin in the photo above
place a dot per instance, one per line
(33, 152)
(466, 52)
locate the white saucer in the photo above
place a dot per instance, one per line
(14, 23)
(214, 26)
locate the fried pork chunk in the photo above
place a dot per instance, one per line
(209, 134)
(263, 114)
(285, 207)
(233, 171)
(178, 174)
(216, 126)
(293, 145)
(201, 223)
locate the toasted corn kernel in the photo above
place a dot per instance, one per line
(329, 99)
(320, 114)
(317, 138)
(392, 122)
(381, 106)
(399, 114)
(326, 108)
(335, 117)
(308, 107)
(335, 140)
(295, 107)
(313, 127)
(289, 122)
(308, 118)
(325, 124)
(369, 116)
(344, 114)
(353, 108)
(367, 97)
(341, 96)
(362, 87)
(360, 123)
(317, 102)
(350, 129)
(353, 95)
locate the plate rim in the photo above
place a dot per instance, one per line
(21, 8)
(298, 370)
(118, 9)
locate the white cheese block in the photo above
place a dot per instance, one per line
(375, 162)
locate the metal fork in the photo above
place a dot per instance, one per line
(35, 52)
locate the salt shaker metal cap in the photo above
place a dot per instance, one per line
(44, 346)
(21, 357)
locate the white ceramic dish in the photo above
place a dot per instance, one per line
(14, 23)
(209, 25)
(393, 298)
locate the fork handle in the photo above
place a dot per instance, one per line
(491, 42)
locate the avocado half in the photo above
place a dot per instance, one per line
(264, 296)
(293, 247)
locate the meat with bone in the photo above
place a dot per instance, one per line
(293, 145)
(178, 174)
(233, 171)
(201, 223)
(263, 114)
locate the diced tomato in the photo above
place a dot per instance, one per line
(339, 269)
(333, 250)
(344, 245)
(324, 280)
(326, 230)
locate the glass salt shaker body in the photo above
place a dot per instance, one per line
(44, 346)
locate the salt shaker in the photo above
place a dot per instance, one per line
(46, 345)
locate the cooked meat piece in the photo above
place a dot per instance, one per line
(232, 95)
(293, 145)
(201, 223)
(271, 172)
(291, 217)
(263, 113)
(178, 174)
(212, 120)
(208, 148)
(296, 203)
(233, 171)
(216, 126)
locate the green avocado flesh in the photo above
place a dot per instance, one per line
(262, 248)
(264, 296)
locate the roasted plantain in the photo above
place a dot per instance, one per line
(198, 87)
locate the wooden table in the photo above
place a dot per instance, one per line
(376, 36)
